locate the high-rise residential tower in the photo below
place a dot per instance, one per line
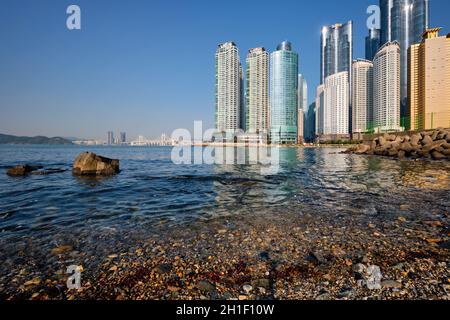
(320, 104)
(386, 88)
(302, 107)
(403, 21)
(123, 137)
(228, 88)
(429, 82)
(336, 50)
(257, 90)
(110, 138)
(372, 43)
(336, 102)
(362, 96)
(283, 94)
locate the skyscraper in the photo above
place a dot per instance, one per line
(228, 88)
(283, 94)
(302, 93)
(386, 88)
(310, 123)
(403, 21)
(257, 90)
(372, 43)
(336, 57)
(320, 104)
(110, 138)
(362, 96)
(123, 137)
(302, 107)
(336, 50)
(429, 82)
(336, 102)
(242, 106)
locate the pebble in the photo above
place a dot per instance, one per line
(391, 284)
(247, 288)
(61, 250)
(205, 286)
(33, 282)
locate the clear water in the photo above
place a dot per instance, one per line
(152, 191)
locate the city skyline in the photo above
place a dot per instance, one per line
(134, 97)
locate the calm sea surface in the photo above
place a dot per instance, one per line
(152, 191)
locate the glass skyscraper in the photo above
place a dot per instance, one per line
(372, 44)
(403, 21)
(336, 50)
(283, 94)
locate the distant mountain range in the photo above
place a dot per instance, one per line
(8, 139)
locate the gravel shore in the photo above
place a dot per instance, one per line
(267, 256)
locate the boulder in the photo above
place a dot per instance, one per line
(90, 164)
(438, 156)
(434, 135)
(415, 138)
(393, 152)
(362, 149)
(406, 146)
(389, 137)
(22, 170)
(427, 140)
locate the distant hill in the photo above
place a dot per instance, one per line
(8, 139)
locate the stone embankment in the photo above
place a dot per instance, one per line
(434, 144)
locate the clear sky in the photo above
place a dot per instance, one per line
(147, 67)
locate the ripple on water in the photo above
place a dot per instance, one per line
(151, 190)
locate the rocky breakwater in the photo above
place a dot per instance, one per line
(434, 144)
(90, 164)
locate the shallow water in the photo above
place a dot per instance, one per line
(41, 212)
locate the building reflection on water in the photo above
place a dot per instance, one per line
(325, 178)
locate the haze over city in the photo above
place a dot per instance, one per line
(147, 68)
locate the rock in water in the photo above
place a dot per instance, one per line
(90, 164)
(22, 170)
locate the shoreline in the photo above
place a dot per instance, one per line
(306, 257)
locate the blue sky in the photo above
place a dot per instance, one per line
(147, 67)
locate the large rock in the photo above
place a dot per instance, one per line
(22, 170)
(90, 164)
(438, 156)
(362, 149)
(415, 138)
(427, 140)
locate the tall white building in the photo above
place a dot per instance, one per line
(302, 106)
(228, 88)
(336, 110)
(320, 104)
(362, 96)
(257, 90)
(386, 88)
